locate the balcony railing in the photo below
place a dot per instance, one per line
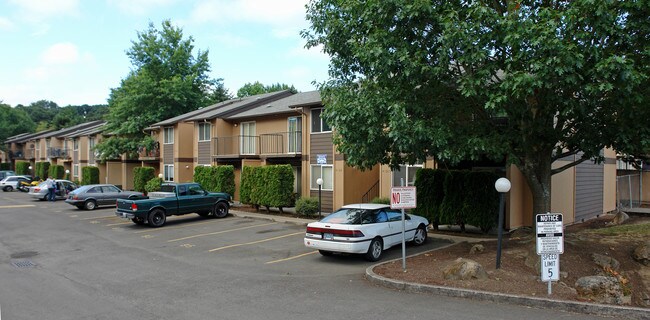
(280, 143)
(58, 153)
(146, 154)
(16, 154)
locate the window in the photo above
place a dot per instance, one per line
(75, 144)
(168, 135)
(248, 138)
(110, 189)
(295, 138)
(317, 123)
(168, 172)
(326, 172)
(204, 131)
(75, 170)
(407, 173)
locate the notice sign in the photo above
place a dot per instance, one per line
(550, 267)
(550, 233)
(321, 159)
(402, 198)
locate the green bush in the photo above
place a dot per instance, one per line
(57, 171)
(42, 169)
(307, 206)
(153, 185)
(247, 179)
(89, 175)
(452, 207)
(379, 200)
(216, 178)
(270, 186)
(22, 168)
(482, 200)
(5, 166)
(141, 175)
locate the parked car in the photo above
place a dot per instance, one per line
(92, 196)
(62, 188)
(174, 199)
(366, 229)
(6, 173)
(10, 183)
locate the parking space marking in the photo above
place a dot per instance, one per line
(73, 216)
(17, 206)
(255, 242)
(95, 218)
(118, 224)
(291, 258)
(219, 232)
(176, 227)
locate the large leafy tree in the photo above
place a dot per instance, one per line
(251, 89)
(40, 111)
(535, 81)
(166, 80)
(14, 121)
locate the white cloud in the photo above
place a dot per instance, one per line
(35, 10)
(60, 53)
(233, 41)
(6, 24)
(139, 7)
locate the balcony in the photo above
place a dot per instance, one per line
(280, 144)
(18, 155)
(58, 153)
(145, 154)
(30, 154)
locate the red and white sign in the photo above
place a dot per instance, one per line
(402, 198)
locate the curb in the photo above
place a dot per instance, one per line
(568, 306)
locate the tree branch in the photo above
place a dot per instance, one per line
(564, 154)
(567, 166)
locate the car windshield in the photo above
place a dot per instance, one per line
(351, 216)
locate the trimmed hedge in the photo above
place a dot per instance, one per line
(216, 178)
(379, 200)
(307, 206)
(22, 168)
(89, 175)
(246, 186)
(457, 197)
(269, 186)
(153, 185)
(42, 169)
(57, 171)
(142, 175)
(5, 166)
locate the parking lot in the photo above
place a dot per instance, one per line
(79, 264)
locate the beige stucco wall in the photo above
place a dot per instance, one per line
(563, 195)
(114, 173)
(127, 174)
(355, 183)
(609, 181)
(184, 140)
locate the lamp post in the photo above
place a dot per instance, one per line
(319, 182)
(503, 186)
(30, 172)
(67, 174)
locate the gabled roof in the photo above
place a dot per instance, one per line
(21, 138)
(284, 105)
(89, 131)
(190, 114)
(65, 131)
(241, 105)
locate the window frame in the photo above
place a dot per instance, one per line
(312, 181)
(202, 127)
(167, 137)
(406, 174)
(168, 172)
(321, 121)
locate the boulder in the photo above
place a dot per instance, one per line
(642, 253)
(605, 262)
(464, 269)
(601, 289)
(476, 248)
(619, 218)
(522, 233)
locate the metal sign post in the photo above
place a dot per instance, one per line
(403, 198)
(550, 244)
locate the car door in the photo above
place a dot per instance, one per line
(395, 222)
(186, 202)
(375, 222)
(109, 195)
(202, 202)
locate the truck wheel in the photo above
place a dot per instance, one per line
(220, 210)
(157, 218)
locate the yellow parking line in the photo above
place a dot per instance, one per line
(176, 227)
(219, 232)
(291, 258)
(18, 206)
(104, 217)
(254, 242)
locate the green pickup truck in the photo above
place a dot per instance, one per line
(174, 199)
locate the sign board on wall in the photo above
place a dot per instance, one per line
(321, 159)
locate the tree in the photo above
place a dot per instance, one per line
(167, 80)
(13, 122)
(66, 117)
(535, 81)
(40, 111)
(251, 89)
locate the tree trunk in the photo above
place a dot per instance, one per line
(537, 171)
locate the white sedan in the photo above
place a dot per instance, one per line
(367, 229)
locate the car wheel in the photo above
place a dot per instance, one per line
(375, 250)
(8, 188)
(420, 236)
(138, 221)
(220, 210)
(90, 205)
(325, 253)
(157, 218)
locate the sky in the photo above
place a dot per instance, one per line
(72, 52)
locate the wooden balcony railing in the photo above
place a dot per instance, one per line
(280, 143)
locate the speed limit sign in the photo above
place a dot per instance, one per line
(550, 267)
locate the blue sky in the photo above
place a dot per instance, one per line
(72, 52)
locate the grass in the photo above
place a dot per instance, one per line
(639, 229)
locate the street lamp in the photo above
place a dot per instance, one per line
(503, 186)
(319, 182)
(30, 172)
(67, 174)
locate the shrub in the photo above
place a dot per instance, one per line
(22, 168)
(452, 207)
(89, 175)
(307, 206)
(246, 186)
(5, 166)
(57, 171)
(153, 185)
(216, 179)
(482, 200)
(42, 169)
(379, 200)
(141, 175)
(270, 186)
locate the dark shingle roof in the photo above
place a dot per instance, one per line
(89, 131)
(284, 105)
(27, 136)
(241, 105)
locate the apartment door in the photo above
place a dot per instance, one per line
(295, 138)
(247, 138)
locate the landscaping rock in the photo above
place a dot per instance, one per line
(476, 248)
(619, 218)
(464, 269)
(605, 262)
(642, 253)
(601, 289)
(522, 233)
(645, 299)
